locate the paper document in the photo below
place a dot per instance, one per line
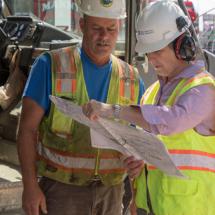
(110, 134)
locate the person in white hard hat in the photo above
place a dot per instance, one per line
(179, 108)
(76, 178)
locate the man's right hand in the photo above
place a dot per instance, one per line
(133, 166)
(34, 201)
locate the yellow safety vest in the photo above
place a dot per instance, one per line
(64, 150)
(193, 154)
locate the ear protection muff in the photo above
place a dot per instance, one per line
(184, 46)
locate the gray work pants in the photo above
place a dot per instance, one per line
(94, 199)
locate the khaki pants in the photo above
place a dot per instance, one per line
(143, 212)
(95, 199)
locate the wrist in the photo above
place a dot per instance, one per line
(29, 182)
(116, 111)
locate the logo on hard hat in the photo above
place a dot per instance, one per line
(106, 3)
(79, 2)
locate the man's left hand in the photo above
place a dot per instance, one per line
(133, 166)
(95, 109)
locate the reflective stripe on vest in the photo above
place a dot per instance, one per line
(78, 161)
(184, 85)
(192, 160)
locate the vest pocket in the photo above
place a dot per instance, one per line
(181, 187)
(61, 123)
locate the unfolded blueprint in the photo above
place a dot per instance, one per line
(129, 140)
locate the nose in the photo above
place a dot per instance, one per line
(152, 57)
(103, 33)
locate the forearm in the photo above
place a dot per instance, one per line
(26, 143)
(131, 114)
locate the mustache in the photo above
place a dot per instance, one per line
(103, 43)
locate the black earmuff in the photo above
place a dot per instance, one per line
(184, 45)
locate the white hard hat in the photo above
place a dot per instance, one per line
(113, 9)
(156, 26)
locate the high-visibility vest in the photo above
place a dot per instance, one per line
(64, 150)
(192, 153)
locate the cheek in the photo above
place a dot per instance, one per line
(169, 68)
(115, 36)
(92, 35)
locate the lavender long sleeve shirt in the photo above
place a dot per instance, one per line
(194, 109)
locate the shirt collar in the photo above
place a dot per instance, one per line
(188, 72)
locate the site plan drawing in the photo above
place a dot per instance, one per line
(129, 140)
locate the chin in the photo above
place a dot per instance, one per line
(103, 52)
(160, 73)
(103, 49)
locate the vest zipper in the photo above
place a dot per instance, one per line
(97, 163)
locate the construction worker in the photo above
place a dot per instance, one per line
(179, 108)
(76, 178)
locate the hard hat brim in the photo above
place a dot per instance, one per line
(143, 48)
(108, 16)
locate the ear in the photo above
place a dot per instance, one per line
(120, 24)
(81, 23)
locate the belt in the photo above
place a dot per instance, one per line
(95, 178)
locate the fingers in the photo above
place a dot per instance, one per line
(94, 109)
(133, 166)
(133, 208)
(34, 201)
(43, 206)
(90, 110)
(31, 209)
(34, 209)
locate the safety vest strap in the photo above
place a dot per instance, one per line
(150, 92)
(65, 81)
(186, 84)
(126, 79)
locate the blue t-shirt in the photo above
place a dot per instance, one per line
(97, 79)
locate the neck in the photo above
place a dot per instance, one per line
(178, 69)
(96, 59)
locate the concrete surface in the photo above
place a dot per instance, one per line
(10, 189)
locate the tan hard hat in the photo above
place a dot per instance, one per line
(156, 26)
(113, 9)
